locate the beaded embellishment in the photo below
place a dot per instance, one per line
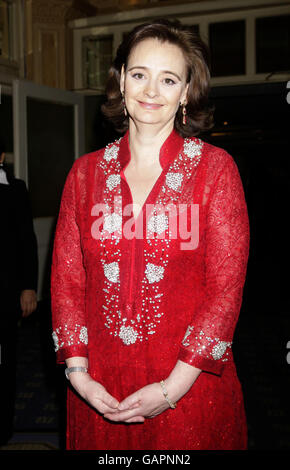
(215, 348)
(63, 337)
(132, 326)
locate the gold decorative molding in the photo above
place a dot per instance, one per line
(50, 11)
(61, 11)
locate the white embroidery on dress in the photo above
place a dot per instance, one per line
(174, 180)
(188, 332)
(112, 222)
(219, 349)
(111, 153)
(157, 223)
(193, 149)
(64, 336)
(205, 345)
(111, 271)
(154, 273)
(145, 321)
(84, 335)
(113, 181)
(128, 334)
(55, 340)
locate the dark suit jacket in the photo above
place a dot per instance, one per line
(18, 244)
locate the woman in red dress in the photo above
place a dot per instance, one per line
(149, 262)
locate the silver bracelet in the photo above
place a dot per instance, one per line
(165, 393)
(68, 370)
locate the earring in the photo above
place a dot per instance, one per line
(184, 114)
(124, 104)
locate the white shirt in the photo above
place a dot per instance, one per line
(3, 177)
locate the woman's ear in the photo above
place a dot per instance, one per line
(122, 79)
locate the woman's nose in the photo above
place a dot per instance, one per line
(151, 89)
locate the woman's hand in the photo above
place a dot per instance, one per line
(149, 401)
(93, 392)
(146, 402)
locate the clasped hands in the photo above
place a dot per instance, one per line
(147, 402)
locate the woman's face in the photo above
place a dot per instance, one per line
(154, 82)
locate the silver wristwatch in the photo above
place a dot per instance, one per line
(68, 370)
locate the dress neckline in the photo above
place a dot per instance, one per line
(168, 151)
(170, 147)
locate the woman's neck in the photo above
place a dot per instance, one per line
(145, 143)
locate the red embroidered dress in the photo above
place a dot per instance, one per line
(136, 304)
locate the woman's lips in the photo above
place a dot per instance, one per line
(150, 105)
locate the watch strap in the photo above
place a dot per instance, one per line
(68, 370)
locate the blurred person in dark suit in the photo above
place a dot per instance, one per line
(18, 282)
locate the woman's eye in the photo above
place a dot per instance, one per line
(169, 81)
(138, 75)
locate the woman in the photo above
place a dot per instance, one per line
(144, 307)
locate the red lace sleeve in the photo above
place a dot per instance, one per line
(68, 279)
(208, 338)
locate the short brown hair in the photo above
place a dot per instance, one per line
(196, 54)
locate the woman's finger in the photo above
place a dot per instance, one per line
(130, 402)
(136, 419)
(102, 407)
(123, 415)
(99, 398)
(110, 401)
